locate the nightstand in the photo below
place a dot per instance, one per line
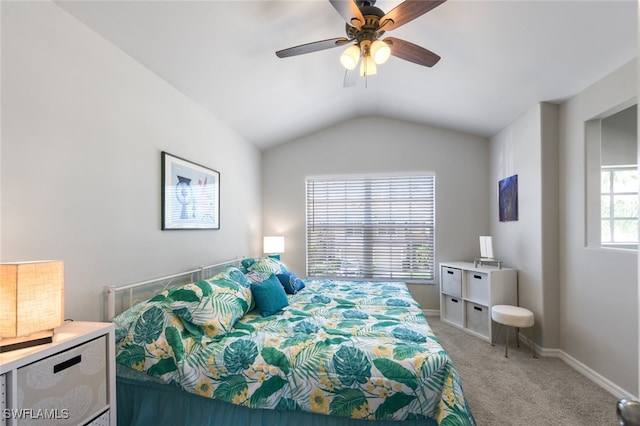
(70, 381)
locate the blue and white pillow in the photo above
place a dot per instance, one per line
(291, 282)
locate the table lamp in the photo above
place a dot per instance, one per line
(31, 303)
(273, 246)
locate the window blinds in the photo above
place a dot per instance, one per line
(379, 227)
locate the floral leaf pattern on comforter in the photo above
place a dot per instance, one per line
(355, 349)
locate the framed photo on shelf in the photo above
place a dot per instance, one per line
(190, 195)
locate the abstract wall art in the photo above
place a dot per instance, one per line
(508, 199)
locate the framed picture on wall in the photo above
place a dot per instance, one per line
(508, 199)
(190, 195)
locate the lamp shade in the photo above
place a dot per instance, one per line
(350, 57)
(380, 51)
(367, 66)
(31, 297)
(273, 245)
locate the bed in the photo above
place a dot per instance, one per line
(248, 342)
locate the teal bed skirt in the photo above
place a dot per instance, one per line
(143, 401)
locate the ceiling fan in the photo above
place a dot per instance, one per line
(365, 25)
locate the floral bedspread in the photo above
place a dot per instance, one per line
(356, 349)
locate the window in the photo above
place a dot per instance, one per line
(611, 156)
(619, 205)
(371, 227)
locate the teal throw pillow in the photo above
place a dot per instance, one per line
(269, 296)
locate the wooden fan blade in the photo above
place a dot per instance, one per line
(411, 52)
(349, 12)
(312, 47)
(407, 11)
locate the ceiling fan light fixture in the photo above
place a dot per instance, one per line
(368, 66)
(380, 51)
(350, 57)
(365, 23)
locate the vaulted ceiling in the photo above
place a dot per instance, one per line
(499, 58)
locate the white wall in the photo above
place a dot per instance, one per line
(83, 126)
(375, 144)
(82, 130)
(528, 147)
(584, 298)
(620, 138)
(599, 287)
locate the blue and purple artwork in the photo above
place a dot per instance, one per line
(508, 199)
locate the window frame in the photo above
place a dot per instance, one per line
(594, 144)
(610, 193)
(361, 245)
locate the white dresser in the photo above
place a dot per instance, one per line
(467, 293)
(68, 382)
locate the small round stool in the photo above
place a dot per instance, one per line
(513, 316)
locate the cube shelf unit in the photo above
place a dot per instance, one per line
(467, 293)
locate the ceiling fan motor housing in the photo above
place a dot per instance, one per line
(369, 31)
(363, 3)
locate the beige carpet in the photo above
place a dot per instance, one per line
(521, 390)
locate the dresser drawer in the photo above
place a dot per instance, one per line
(69, 387)
(477, 287)
(453, 310)
(451, 281)
(3, 399)
(103, 419)
(478, 318)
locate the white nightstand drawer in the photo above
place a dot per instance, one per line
(478, 318)
(66, 388)
(453, 310)
(451, 281)
(103, 419)
(3, 399)
(477, 287)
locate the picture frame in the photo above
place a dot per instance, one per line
(190, 194)
(508, 199)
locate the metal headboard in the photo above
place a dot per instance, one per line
(120, 298)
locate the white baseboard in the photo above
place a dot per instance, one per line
(581, 368)
(431, 312)
(604, 383)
